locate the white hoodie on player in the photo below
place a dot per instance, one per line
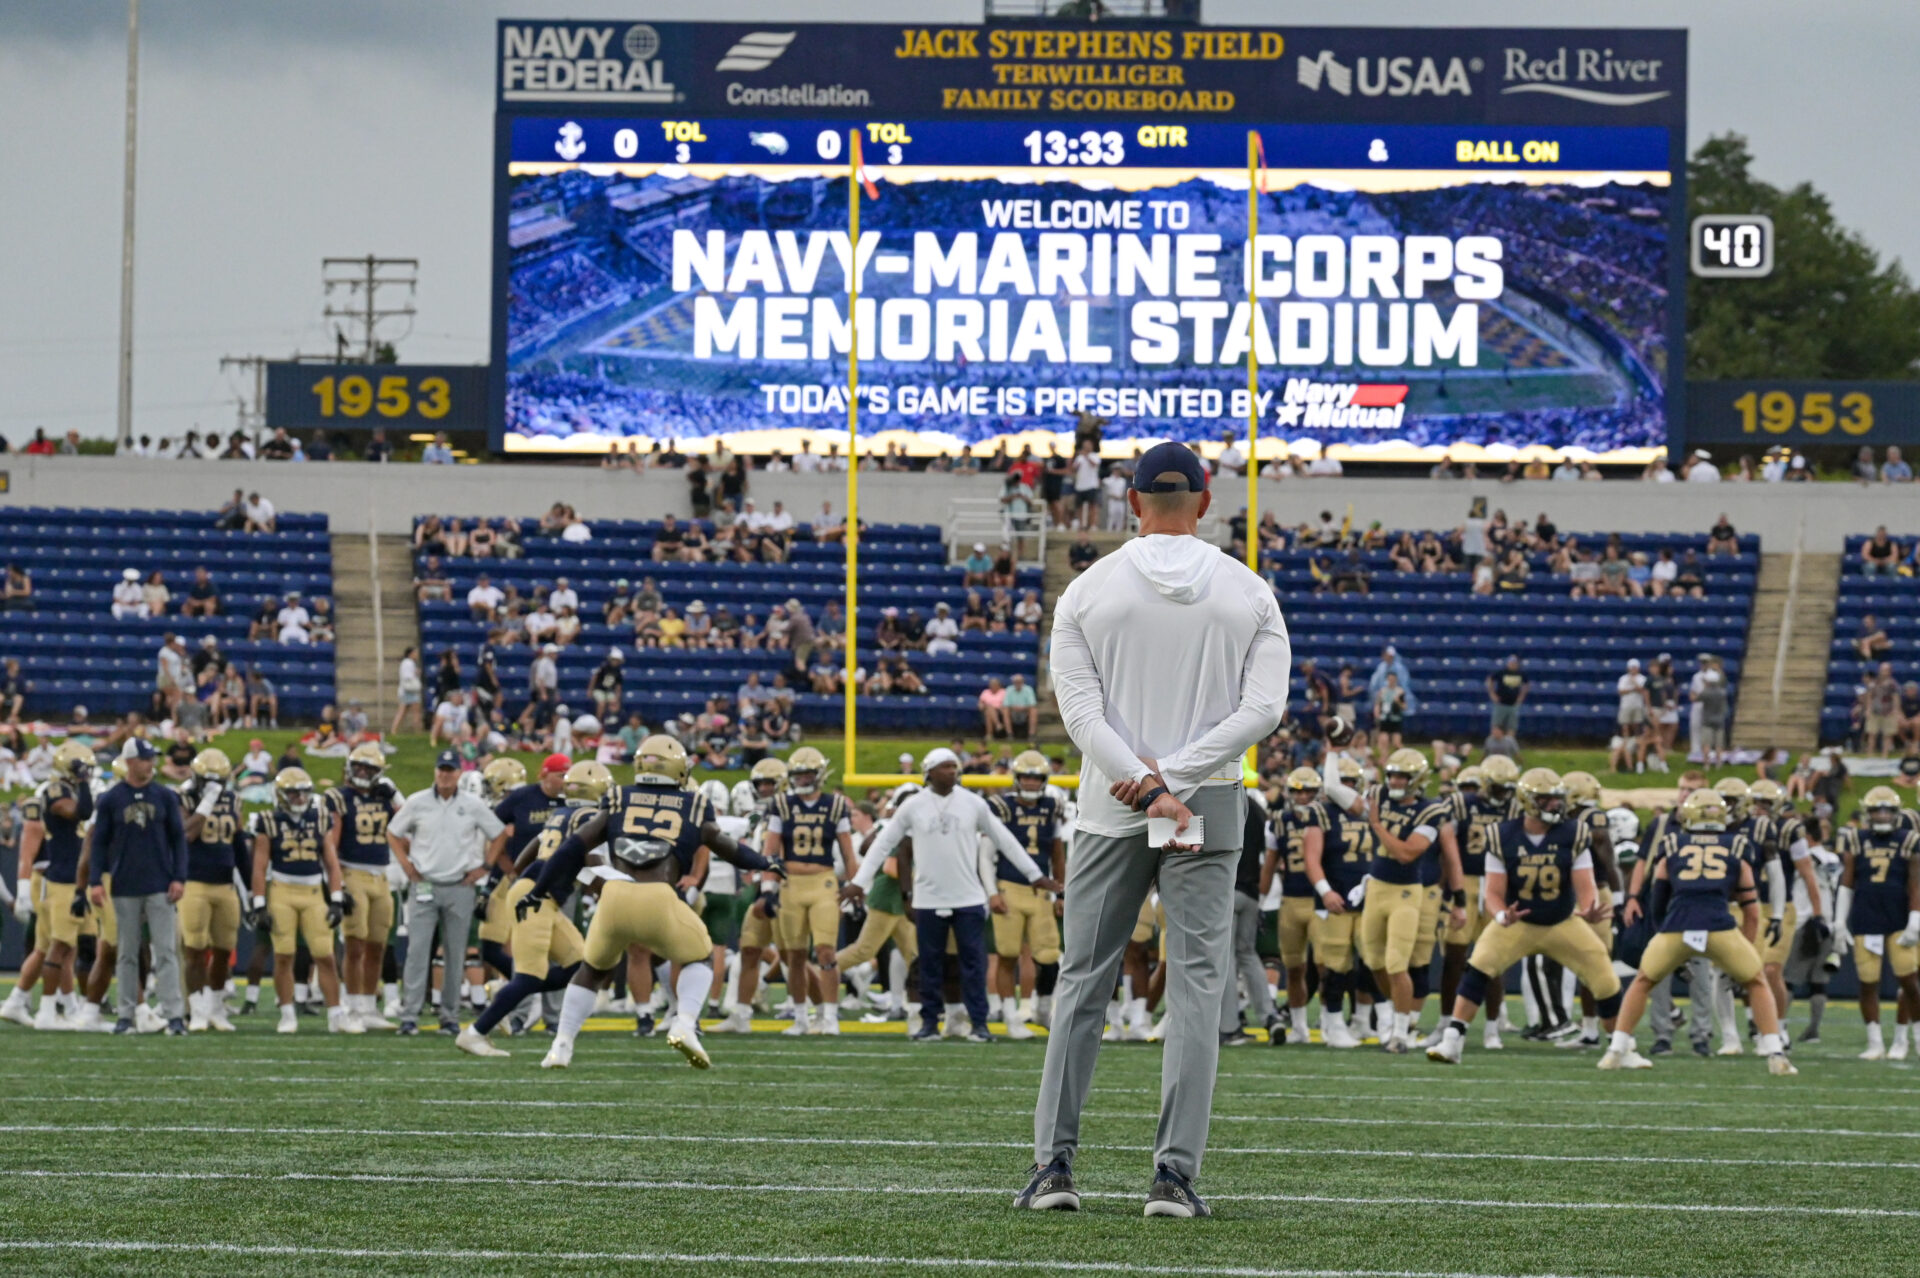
(1169, 649)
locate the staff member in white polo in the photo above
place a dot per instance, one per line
(953, 875)
(1169, 660)
(440, 838)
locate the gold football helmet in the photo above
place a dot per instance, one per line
(1737, 795)
(1350, 770)
(1705, 810)
(1583, 790)
(212, 765)
(73, 763)
(1303, 787)
(588, 782)
(809, 763)
(1766, 796)
(366, 765)
(1031, 766)
(292, 790)
(769, 778)
(499, 777)
(1881, 809)
(1544, 795)
(1502, 776)
(1411, 766)
(660, 760)
(1470, 778)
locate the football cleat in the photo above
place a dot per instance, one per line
(1049, 1188)
(1874, 1052)
(341, 1021)
(1629, 1059)
(1731, 1047)
(1017, 1027)
(1898, 1052)
(925, 1034)
(1173, 1195)
(643, 1025)
(1661, 1047)
(957, 1025)
(289, 1022)
(1447, 1050)
(1490, 1037)
(146, 1020)
(197, 1023)
(738, 1021)
(374, 1021)
(1433, 1039)
(559, 1056)
(1299, 1034)
(89, 1021)
(124, 1025)
(176, 1028)
(801, 1025)
(408, 1029)
(1584, 1041)
(1334, 1033)
(684, 1038)
(17, 1011)
(474, 1043)
(1156, 1034)
(217, 1018)
(1394, 1045)
(1236, 1038)
(49, 1018)
(982, 1035)
(1780, 1067)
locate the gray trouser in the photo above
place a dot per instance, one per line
(1660, 1009)
(1246, 962)
(450, 907)
(1109, 880)
(155, 914)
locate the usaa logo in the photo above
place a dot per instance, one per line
(562, 62)
(1392, 77)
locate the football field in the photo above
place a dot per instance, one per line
(864, 1155)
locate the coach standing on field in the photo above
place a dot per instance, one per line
(140, 838)
(1169, 660)
(439, 836)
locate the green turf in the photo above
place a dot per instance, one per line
(1523, 1162)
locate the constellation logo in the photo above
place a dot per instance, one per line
(1339, 77)
(756, 51)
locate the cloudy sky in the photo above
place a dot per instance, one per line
(272, 135)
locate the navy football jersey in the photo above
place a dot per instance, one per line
(293, 841)
(524, 811)
(1034, 825)
(222, 845)
(1403, 819)
(1540, 875)
(647, 824)
(362, 816)
(59, 858)
(1349, 849)
(1703, 870)
(1290, 826)
(1882, 864)
(808, 827)
(554, 832)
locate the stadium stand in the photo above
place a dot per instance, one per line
(901, 566)
(1573, 650)
(1892, 601)
(72, 650)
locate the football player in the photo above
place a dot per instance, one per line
(1769, 881)
(1301, 825)
(1583, 802)
(1701, 868)
(807, 824)
(1879, 909)
(1487, 795)
(1783, 836)
(1410, 829)
(1542, 898)
(754, 799)
(357, 837)
(50, 845)
(217, 851)
(523, 809)
(1338, 877)
(1639, 927)
(651, 831)
(1022, 916)
(296, 881)
(546, 945)
(887, 918)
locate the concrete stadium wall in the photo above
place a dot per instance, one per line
(358, 495)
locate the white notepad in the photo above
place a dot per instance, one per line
(1160, 832)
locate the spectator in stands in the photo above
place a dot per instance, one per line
(543, 688)
(1017, 504)
(1022, 706)
(16, 595)
(913, 630)
(261, 517)
(563, 595)
(734, 482)
(806, 461)
(1700, 468)
(1871, 642)
(973, 613)
(202, 600)
(1883, 719)
(410, 689)
(566, 627)
(209, 655)
(903, 679)
(1081, 555)
(1880, 556)
(1326, 464)
(977, 565)
(129, 600)
(801, 637)
(437, 452)
(170, 675)
(1632, 690)
(1613, 574)
(1389, 714)
(1714, 698)
(13, 691)
(831, 629)
(1513, 574)
(154, 591)
(540, 623)
(432, 583)
(278, 447)
(576, 530)
(943, 632)
(993, 711)
(1507, 689)
(699, 625)
(667, 543)
(430, 536)
(825, 676)
(449, 717)
(1639, 574)
(292, 624)
(618, 609)
(39, 445)
(1584, 573)
(1086, 482)
(673, 629)
(1722, 539)
(608, 685)
(484, 598)
(1895, 469)
(456, 542)
(1910, 716)
(779, 629)
(1864, 468)
(1691, 581)
(1657, 472)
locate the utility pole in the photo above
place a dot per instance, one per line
(252, 415)
(363, 278)
(124, 426)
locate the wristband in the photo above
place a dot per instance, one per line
(334, 896)
(1322, 886)
(1457, 897)
(1146, 800)
(259, 902)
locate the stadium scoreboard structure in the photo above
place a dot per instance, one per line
(1464, 239)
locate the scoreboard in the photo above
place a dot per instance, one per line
(1468, 239)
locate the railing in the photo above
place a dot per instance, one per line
(984, 519)
(1786, 618)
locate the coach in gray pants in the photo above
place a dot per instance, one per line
(1246, 933)
(440, 838)
(140, 838)
(1169, 660)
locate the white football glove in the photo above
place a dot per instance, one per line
(209, 797)
(1911, 937)
(1357, 897)
(1842, 939)
(23, 906)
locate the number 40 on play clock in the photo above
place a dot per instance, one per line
(1732, 245)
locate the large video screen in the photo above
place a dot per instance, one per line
(1414, 285)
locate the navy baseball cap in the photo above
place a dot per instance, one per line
(138, 748)
(1169, 468)
(448, 759)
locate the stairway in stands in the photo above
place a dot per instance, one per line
(1794, 721)
(359, 671)
(1059, 574)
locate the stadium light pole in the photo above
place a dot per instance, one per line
(850, 765)
(124, 427)
(1256, 156)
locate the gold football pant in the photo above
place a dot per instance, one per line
(1903, 959)
(1781, 950)
(1476, 917)
(1295, 927)
(809, 912)
(880, 928)
(1333, 938)
(1390, 925)
(372, 916)
(1727, 949)
(298, 911)
(544, 938)
(497, 924)
(1570, 943)
(209, 916)
(650, 915)
(1029, 920)
(53, 913)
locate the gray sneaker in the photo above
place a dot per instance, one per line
(1050, 1188)
(1172, 1195)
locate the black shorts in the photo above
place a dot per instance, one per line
(1086, 496)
